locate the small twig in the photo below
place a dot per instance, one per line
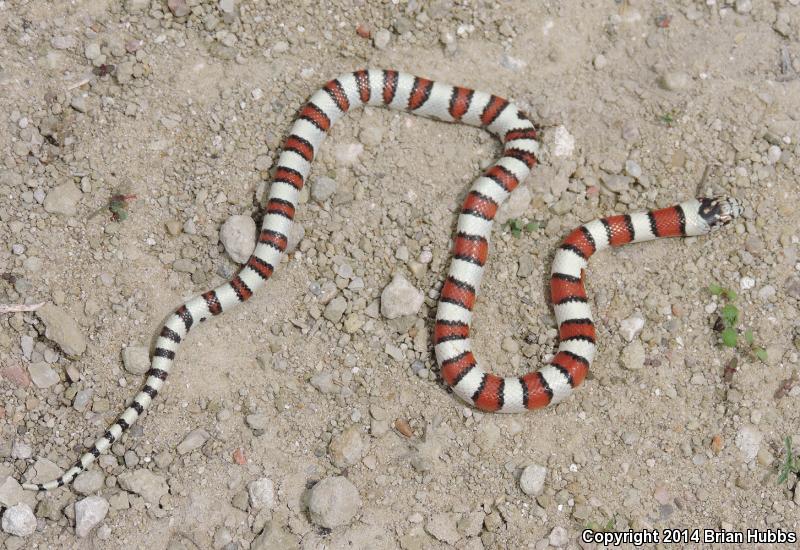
(787, 71)
(702, 182)
(786, 62)
(14, 308)
(79, 83)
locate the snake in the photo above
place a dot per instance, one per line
(458, 366)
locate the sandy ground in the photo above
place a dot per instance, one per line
(187, 112)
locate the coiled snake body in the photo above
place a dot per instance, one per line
(459, 368)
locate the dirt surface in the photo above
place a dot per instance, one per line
(182, 109)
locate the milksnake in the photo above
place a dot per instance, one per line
(459, 368)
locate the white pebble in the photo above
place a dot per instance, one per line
(400, 298)
(631, 326)
(633, 169)
(512, 63)
(746, 283)
(348, 153)
(262, 494)
(564, 142)
(19, 520)
(744, 6)
(238, 236)
(748, 440)
(532, 480)
(382, 38)
(774, 154)
(600, 61)
(89, 512)
(558, 537)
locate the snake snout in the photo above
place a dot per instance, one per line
(719, 211)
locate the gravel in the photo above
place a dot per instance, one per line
(190, 118)
(382, 38)
(323, 188)
(629, 328)
(335, 309)
(443, 527)
(11, 492)
(559, 537)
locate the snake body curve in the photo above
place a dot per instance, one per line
(459, 368)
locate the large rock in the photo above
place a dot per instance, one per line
(63, 200)
(89, 482)
(88, 513)
(43, 375)
(12, 493)
(63, 329)
(19, 521)
(333, 502)
(150, 486)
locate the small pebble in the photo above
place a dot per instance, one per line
(193, 440)
(347, 448)
(333, 502)
(674, 81)
(238, 236)
(558, 537)
(136, 359)
(600, 62)
(532, 480)
(42, 375)
(631, 326)
(633, 356)
(381, 39)
(323, 188)
(748, 440)
(744, 6)
(262, 494)
(400, 298)
(63, 200)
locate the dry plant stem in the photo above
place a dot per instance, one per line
(15, 308)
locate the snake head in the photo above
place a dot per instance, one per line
(719, 211)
